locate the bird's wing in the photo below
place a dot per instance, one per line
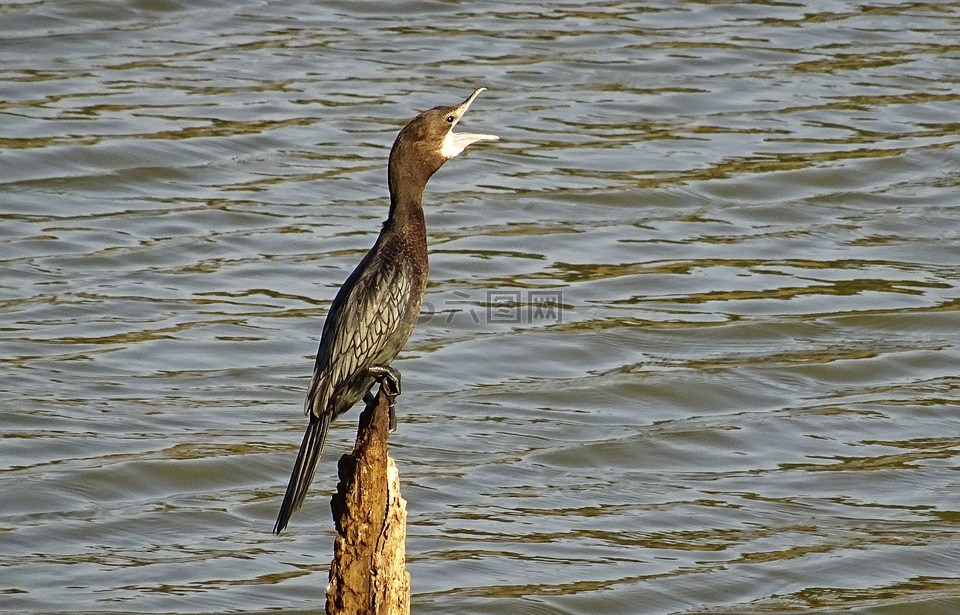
(361, 327)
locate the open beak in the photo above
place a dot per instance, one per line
(462, 140)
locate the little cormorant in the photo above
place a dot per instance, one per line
(377, 307)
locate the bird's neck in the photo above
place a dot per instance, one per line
(406, 201)
(406, 206)
(406, 223)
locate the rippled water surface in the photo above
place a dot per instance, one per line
(690, 345)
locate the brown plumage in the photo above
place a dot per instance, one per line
(375, 310)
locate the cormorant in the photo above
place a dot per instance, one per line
(377, 307)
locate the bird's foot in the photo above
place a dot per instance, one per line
(389, 379)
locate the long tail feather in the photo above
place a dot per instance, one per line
(303, 469)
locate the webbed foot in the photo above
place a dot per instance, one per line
(389, 379)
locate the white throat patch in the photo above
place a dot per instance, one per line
(455, 142)
(451, 148)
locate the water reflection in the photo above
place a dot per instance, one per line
(746, 215)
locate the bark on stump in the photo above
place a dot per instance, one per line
(368, 574)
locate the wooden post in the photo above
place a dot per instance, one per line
(368, 574)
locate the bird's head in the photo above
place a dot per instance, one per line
(428, 141)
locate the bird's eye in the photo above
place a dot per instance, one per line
(450, 119)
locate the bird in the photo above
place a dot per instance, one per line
(376, 308)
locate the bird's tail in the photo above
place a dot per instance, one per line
(303, 469)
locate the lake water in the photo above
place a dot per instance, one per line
(691, 340)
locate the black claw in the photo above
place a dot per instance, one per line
(389, 379)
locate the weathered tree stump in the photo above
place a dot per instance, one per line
(368, 574)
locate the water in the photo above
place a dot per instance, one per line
(744, 402)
